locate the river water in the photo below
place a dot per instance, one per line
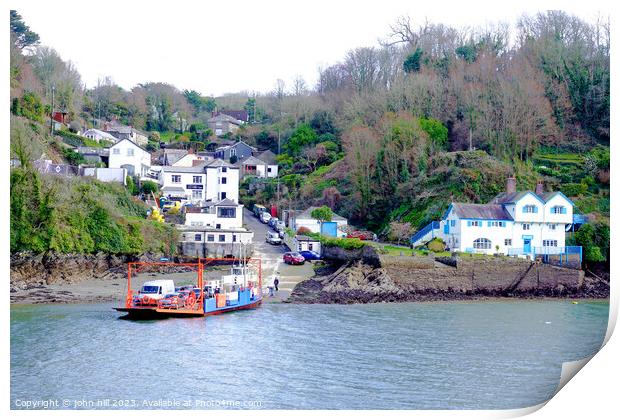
(458, 355)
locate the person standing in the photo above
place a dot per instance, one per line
(276, 282)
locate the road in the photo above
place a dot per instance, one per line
(271, 255)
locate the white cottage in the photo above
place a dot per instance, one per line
(334, 228)
(513, 223)
(128, 155)
(213, 180)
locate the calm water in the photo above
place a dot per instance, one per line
(419, 355)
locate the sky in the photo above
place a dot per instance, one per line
(223, 47)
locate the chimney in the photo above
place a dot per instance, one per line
(539, 188)
(511, 185)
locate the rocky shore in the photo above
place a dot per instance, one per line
(364, 277)
(69, 278)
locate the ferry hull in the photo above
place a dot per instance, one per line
(159, 313)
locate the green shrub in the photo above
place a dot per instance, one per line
(436, 245)
(149, 187)
(344, 243)
(574, 189)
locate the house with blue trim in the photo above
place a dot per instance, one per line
(518, 223)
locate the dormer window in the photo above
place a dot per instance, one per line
(558, 210)
(530, 208)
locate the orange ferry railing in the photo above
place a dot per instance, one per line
(197, 306)
(136, 267)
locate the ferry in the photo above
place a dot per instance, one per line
(239, 290)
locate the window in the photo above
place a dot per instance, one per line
(197, 179)
(474, 223)
(526, 226)
(550, 242)
(452, 223)
(269, 170)
(233, 152)
(495, 223)
(224, 169)
(482, 243)
(508, 242)
(218, 226)
(222, 238)
(116, 151)
(234, 238)
(223, 195)
(530, 208)
(196, 194)
(226, 212)
(551, 226)
(129, 152)
(558, 210)
(198, 237)
(223, 180)
(210, 238)
(176, 179)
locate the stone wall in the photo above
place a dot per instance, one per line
(481, 274)
(365, 277)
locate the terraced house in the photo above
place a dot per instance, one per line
(518, 223)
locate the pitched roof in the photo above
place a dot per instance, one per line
(224, 117)
(200, 169)
(135, 144)
(306, 215)
(251, 160)
(172, 156)
(268, 157)
(100, 133)
(217, 163)
(241, 115)
(226, 202)
(480, 211)
(506, 198)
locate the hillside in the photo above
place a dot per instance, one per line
(81, 215)
(391, 133)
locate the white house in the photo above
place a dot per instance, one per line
(127, 154)
(212, 181)
(253, 166)
(333, 228)
(204, 241)
(306, 243)
(98, 135)
(225, 214)
(270, 160)
(513, 223)
(222, 181)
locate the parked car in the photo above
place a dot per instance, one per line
(265, 217)
(310, 255)
(279, 225)
(293, 258)
(273, 238)
(272, 222)
(361, 234)
(170, 301)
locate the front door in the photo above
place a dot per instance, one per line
(527, 245)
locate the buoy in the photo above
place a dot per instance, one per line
(575, 302)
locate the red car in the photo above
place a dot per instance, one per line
(363, 235)
(293, 258)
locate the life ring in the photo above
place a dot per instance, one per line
(190, 302)
(146, 300)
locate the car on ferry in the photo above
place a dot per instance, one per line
(170, 301)
(153, 291)
(293, 258)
